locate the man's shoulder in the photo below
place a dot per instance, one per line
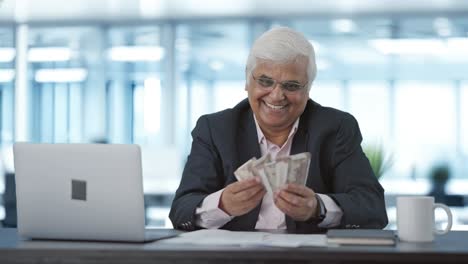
(327, 115)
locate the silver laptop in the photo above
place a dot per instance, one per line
(81, 192)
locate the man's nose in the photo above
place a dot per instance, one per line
(277, 92)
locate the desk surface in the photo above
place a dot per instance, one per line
(451, 248)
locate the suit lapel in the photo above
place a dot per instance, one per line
(300, 139)
(248, 148)
(248, 140)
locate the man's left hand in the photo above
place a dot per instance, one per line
(297, 201)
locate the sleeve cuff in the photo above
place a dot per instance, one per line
(333, 212)
(208, 215)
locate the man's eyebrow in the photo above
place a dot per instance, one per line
(287, 81)
(291, 81)
(265, 76)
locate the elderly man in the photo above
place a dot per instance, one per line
(278, 118)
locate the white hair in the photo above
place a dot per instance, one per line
(282, 45)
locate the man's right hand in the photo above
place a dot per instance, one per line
(241, 197)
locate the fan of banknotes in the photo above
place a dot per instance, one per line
(276, 173)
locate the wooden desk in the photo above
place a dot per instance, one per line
(451, 248)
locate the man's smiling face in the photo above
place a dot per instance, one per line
(276, 109)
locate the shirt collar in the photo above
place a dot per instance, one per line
(261, 136)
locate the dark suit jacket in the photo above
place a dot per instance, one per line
(225, 140)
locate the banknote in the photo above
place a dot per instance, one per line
(298, 168)
(264, 159)
(258, 168)
(245, 170)
(281, 173)
(270, 172)
(274, 174)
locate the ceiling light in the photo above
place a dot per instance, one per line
(409, 46)
(136, 53)
(61, 75)
(7, 54)
(49, 54)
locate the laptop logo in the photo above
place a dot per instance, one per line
(78, 190)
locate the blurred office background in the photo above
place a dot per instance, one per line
(143, 71)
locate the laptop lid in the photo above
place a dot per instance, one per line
(79, 191)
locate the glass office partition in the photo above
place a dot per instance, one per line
(228, 94)
(136, 79)
(342, 46)
(211, 61)
(7, 78)
(140, 108)
(370, 105)
(328, 93)
(425, 125)
(463, 103)
(60, 61)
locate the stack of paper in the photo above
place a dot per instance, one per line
(216, 237)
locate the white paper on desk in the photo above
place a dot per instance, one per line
(225, 238)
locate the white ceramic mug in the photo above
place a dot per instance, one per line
(415, 218)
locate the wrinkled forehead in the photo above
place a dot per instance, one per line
(296, 67)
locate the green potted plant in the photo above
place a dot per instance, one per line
(439, 176)
(379, 160)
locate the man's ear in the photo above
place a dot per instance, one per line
(246, 80)
(246, 87)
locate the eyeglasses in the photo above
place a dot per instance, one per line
(268, 84)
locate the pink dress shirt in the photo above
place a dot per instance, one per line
(208, 214)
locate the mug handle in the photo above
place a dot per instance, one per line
(449, 216)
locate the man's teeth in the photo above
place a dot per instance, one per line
(275, 106)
